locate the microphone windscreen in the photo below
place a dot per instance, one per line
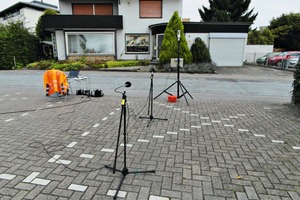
(127, 84)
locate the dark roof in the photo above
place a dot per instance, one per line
(37, 5)
(206, 27)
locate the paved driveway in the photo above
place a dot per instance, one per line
(238, 139)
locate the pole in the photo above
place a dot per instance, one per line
(178, 60)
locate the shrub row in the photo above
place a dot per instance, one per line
(80, 65)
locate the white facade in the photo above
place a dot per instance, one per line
(136, 37)
(132, 24)
(27, 13)
(27, 16)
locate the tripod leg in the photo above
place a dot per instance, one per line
(166, 90)
(119, 133)
(149, 103)
(119, 186)
(183, 93)
(186, 91)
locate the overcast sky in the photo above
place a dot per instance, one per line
(267, 9)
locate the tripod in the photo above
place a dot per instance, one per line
(125, 170)
(150, 103)
(179, 84)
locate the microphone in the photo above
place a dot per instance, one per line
(127, 84)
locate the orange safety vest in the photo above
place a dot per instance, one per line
(55, 81)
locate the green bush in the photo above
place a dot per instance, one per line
(296, 86)
(80, 65)
(18, 46)
(127, 63)
(200, 52)
(200, 68)
(42, 65)
(63, 66)
(190, 68)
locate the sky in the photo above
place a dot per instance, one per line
(266, 9)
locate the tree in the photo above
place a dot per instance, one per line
(170, 42)
(286, 30)
(228, 11)
(263, 37)
(296, 86)
(39, 30)
(18, 45)
(200, 52)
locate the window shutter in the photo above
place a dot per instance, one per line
(103, 9)
(83, 9)
(150, 8)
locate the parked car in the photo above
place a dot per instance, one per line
(290, 62)
(263, 59)
(277, 60)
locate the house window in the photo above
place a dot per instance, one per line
(150, 8)
(84, 43)
(137, 43)
(92, 9)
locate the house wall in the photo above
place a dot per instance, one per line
(60, 44)
(28, 16)
(190, 38)
(132, 23)
(31, 18)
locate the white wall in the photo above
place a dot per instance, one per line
(29, 17)
(61, 47)
(255, 51)
(130, 12)
(132, 23)
(190, 38)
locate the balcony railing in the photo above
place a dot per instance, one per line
(59, 22)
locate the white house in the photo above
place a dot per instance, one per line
(134, 29)
(27, 13)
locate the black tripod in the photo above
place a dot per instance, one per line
(179, 84)
(150, 103)
(125, 170)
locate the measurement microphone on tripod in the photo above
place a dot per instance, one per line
(124, 171)
(127, 84)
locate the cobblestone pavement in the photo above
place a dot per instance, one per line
(56, 148)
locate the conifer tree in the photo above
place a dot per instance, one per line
(228, 11)
(200, 52)
(170, 42)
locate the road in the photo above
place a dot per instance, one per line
(252, 83)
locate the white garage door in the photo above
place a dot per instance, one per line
(227, 50)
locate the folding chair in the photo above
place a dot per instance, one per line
(75, 75)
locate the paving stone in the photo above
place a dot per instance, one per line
(208, 162)
(251, 193)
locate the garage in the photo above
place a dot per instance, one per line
(226, 41)
(227, 49)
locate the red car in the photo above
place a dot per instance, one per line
(276, 60)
